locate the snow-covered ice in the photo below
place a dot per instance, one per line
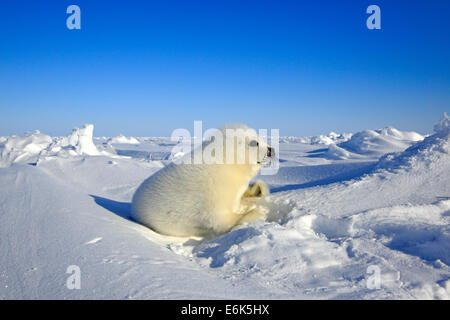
(341, 205)
(121, 139)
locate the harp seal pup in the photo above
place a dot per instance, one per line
(205, 198)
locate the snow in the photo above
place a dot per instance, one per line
(443, 126)
(37, 146)
(367, 144)
(336, 152)
(330, 138)
(379, 142)
(121, 139)
(81, 140)
(14, 149)
(380, 199)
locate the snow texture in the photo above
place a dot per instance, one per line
(380, 199)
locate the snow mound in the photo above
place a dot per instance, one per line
(331, 138)
(433, 151)
(20, 148)
(35, 146)
(443, 127)
(338, 153)
(374, 143)
(400, 135)
(81, 140)
(121, 139)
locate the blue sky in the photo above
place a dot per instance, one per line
(145, 68)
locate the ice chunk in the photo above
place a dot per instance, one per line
(443, 127)
(81, 139)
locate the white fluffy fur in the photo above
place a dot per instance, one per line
(201, 199)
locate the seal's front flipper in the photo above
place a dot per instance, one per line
(257, 189)
(253, 203)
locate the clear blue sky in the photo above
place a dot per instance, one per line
(144, 68)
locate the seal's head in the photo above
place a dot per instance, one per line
(236, 144)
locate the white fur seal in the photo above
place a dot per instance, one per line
(206, 199)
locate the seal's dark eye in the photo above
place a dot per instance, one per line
(253, 143)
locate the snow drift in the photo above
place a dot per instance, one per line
(331, 138)
(373, 143)
(121, 139)
(35, 146)
(432, 151)
(15, 149)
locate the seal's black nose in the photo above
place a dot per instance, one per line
(270, 152)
